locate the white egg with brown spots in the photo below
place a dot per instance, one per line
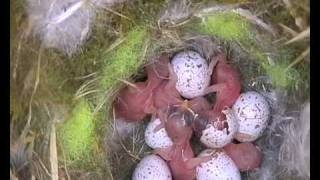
(192, 72)
(253, 113)
(152, 167)
(219, 167)
(157, 139)
(213, 137)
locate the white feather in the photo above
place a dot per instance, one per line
(63, 24)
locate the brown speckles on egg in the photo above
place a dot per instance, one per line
(219, 167)
(152, 167)
(253, 115)
(159, 139)
(213, 137)
(190, 65)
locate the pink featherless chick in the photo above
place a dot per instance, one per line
(180, 155)
(166, 93)
(135, 101)
(246, 155)
(227, 85)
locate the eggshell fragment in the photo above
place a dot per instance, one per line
(152, 167)
(193, 73)
(157, 139)
(213, 137)
(220, 167)
(252, 112)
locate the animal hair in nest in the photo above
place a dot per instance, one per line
(176, 12)
(126, 143)
(64, 24)
(295, 149)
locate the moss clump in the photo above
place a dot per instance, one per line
(228, 26)
(77, 135)
(125, 59)
(279, 76)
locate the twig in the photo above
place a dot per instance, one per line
(86, 93)
(302, 35)
(53, 154)
(85, 76)
(65, 164)
(115, 44)
(42, 164)
(289, 30)
(117, 13)
(299, 59)
(27, 126)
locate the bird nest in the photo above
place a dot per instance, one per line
(62, 116)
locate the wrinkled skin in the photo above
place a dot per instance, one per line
(227, 85)
(135, 102)
(199, 104)
(154, 95)
(128, 98)
(180, 156)
(245, 155)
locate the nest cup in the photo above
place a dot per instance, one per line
(254, 76)
(114, 149)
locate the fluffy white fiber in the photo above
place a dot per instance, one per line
(175, 13)
(63, 24)
(295, 150)
(286, 142)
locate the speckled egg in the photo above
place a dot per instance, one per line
(156, 139)
(193, 73)
(152, 167)
(213, 137)
(253, 112)
(220, 167)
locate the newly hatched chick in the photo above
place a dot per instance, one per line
(246, 155)
(166, 93)
(226, 83)
(135, 102)
(181, 157)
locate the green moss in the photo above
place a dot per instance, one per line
(77, 135)
(280, 76)
(228, 26)
(125, 59)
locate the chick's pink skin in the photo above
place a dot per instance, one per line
(158, 71)
(180, 156)
(199, 104)
(132, 102)
(135, 102)
(166, 93)
(227, 85)
(245, 155)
